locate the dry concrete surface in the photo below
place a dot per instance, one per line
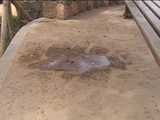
(30, 93)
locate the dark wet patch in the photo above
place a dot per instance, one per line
(56, 52)
(118, 62)
(31, 55)
(75, 60)
(99, 50)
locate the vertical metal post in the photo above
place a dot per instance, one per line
(5, 26)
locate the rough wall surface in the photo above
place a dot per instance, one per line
(33, 7)
(49, 9)
(53, 8)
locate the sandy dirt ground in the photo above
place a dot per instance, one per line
(117, 94)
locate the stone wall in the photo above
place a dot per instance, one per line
(64, 11)
(59, 9)
(33, 7)
(116, 2)
(49, 9)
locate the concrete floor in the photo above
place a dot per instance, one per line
(29, 93)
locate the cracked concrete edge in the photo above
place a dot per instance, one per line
(8, 56)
